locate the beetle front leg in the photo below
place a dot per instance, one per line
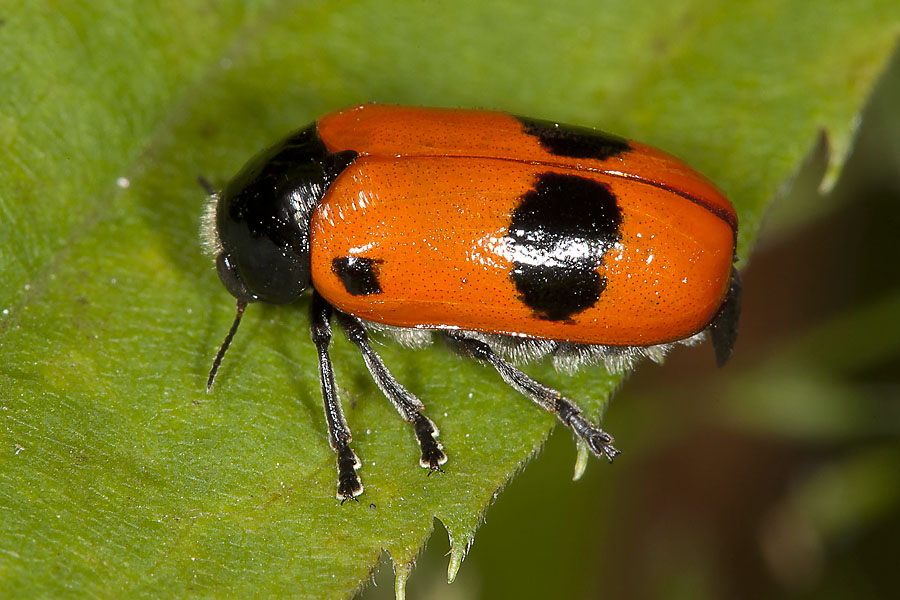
(349, 484)
(409, 407)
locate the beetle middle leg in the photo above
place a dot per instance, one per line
(409, 407)
(600, 442)
(349, 484)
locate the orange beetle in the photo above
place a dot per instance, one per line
(513, 238)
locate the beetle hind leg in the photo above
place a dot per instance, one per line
(349, 484)
(409, 407)
(600, 442)
(723, 329)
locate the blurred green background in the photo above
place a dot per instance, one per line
(775, 477)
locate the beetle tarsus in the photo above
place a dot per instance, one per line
(349, 484)
(601, 444)
(432, 451)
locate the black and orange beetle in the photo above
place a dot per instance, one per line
(511, 238)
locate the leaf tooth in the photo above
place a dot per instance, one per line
(458, 551)
(581, 459)
(402, 571)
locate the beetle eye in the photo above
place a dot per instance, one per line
(231, 279)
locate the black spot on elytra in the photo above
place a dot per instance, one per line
(558, 236)
(359, 275)
(574, 142)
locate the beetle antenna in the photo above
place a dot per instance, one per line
(218, 361)
(206, 185)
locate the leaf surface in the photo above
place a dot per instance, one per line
(119, 475)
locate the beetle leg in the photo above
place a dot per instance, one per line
(349, 485)
(600, 442)
(723, 329)
(409, 407)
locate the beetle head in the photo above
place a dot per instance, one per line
(258, 225)
(262, 230)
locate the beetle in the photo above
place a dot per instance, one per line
(510, 238)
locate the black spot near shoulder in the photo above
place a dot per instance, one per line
(558, 236)
(574, 142)
(359, 275)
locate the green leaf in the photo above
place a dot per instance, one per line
(119, 475)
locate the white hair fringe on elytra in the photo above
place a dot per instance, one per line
(566, 356)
